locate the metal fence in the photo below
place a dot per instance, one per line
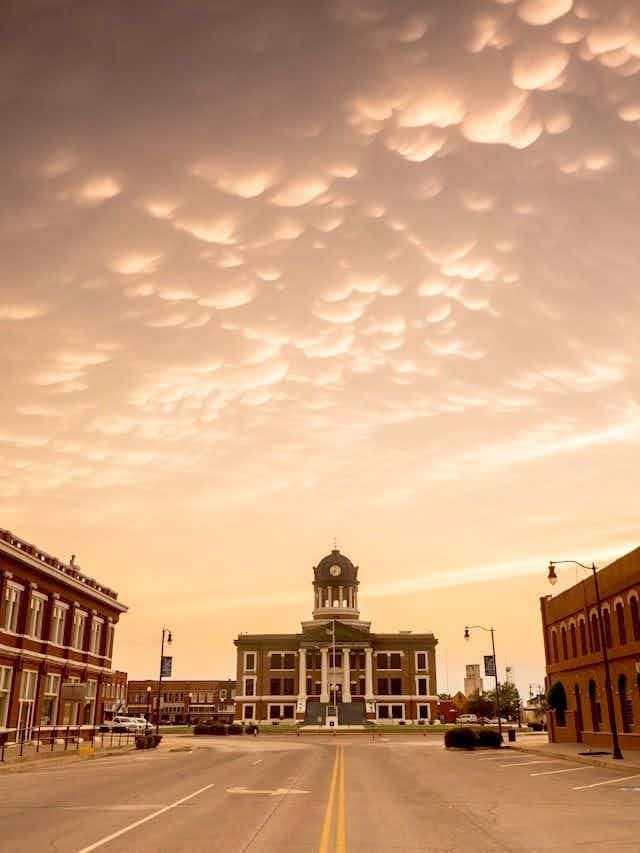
(59, 739)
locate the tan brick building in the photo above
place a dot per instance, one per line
(183, 702)
(57, 629)
(573, 652)
(336, 671)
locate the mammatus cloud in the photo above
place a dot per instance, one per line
(355, 252)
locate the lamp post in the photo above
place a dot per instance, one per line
(190, 698)
(168, 638)
(230, 699)
(553, 578)
(490, 630)
(148, 703)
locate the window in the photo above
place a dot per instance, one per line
(357, 660)
(635, 618)
(283, 660)
(274, 687)
(248, 712)
(565, 650)
(606, 617)
(423, 686)
(389, 660)
(383, 687)
(36, 615)
(77, 632)
(313, 660)
(335, 663)
(383, 712)
(50, 700)
(396, 712)
(423, 712)
(390, 686)
(5, 691)
(27, 701)
(249, 661)
(12, 597)
(90, 703)
(595, 634)
(96, 636)
(421, 660)
(554, 643)
(250, 686)
(393, 712)
(584, 647)
(58, 618)
(622, 631)
(574, 643)
(281, 712)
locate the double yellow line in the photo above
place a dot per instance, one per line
(337, 782)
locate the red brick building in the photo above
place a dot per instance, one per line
(57, 628)
(336, 671)
(573, 650)
(183, 702)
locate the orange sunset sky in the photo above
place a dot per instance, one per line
(275, 273)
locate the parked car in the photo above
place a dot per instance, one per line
(494, 721)
(465, 719)
(137, 725)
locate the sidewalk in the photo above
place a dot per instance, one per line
(33, 759)
(539, 745)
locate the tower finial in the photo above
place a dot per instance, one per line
(335, 544)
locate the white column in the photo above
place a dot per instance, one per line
(324, 674)
(302, 674)
(346, 676)
(340, 595)
(368, 673)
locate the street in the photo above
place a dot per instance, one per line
(326, 794)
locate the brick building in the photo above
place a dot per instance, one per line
(182, 702)
(573, 649)
(57, 629)
(336, 670)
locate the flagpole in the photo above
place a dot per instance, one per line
(334, 662)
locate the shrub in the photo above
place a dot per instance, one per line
(487, 737)
(460, 739)
(536, 727)
(251, 729)
(210, 729)
(234, 729)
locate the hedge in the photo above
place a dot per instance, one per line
(468, 738)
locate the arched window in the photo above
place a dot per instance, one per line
(565, 650)
(595, 633)
(557, 699)
(574, 644)
(606, 617)
(594, 705)
(626, 705)
(622, 631)
(554, 643)
(635, 618)
(584, 648)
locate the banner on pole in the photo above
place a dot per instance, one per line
(165, 666)
(489, 665)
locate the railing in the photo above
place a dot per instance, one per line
(48, 739)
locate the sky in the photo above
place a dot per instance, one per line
(275, 273)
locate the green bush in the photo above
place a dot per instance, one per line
(234, 729)
(487, 737)
(210, 729)
(460, 739)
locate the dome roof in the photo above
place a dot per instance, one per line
(322, 572)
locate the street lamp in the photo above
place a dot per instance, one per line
(149, 703)
(167, 637)
(552, 578)
(190, 697)
(467, 637)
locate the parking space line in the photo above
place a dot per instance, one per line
(527, 763)
(566, 770)
(606, 782)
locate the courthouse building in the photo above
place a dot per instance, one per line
(57, 628)
(336, 671)
(573, 649)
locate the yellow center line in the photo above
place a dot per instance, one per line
(341, 843)
(328, 815)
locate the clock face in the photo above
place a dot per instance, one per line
(335, 571)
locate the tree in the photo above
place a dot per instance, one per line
(479, 705)
(509, 700)
(446, 697)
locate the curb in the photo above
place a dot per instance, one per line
(17, 765)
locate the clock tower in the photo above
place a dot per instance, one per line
(335, 588)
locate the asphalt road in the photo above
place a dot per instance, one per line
(321, 794)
